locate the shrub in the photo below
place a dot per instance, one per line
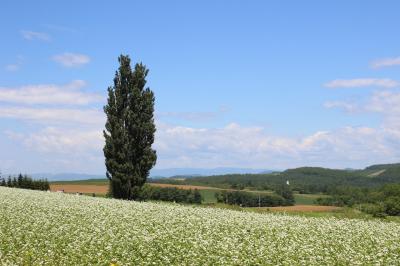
(392, 205)
(170, 194)
(247, 199)
(375, 209)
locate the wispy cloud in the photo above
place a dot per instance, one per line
(385, 62)
(71, 59)
(12, 67)
(34, 35)
(386, 103)
(347, 106)
(58, 116)
(60, 140)
(362, 82)
(15, 66)
(69, 94)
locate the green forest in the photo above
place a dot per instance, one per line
(374, 190)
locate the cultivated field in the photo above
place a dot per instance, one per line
(100, 187)
(43, 228)
(85, 186)
(304, 208)
(74, 188)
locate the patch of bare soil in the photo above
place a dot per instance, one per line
(98, 189)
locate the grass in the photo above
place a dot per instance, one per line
(307, 199)
(208, 194)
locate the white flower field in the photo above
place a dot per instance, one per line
(42, 228)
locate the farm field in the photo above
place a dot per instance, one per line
(305, 208)
(208, 193)
(74, 188)
(54, 228)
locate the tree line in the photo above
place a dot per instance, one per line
(26, 182)
(379, 202)
(282, 197)
(304, 180)
(148, 192)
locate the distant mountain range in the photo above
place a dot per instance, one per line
(204, 171)
(302, 179)
(156, 173)
(66, 176)
(381, 170)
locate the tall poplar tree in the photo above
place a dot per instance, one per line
(129, 130)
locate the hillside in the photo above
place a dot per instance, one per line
(60, 229)
(304, 179)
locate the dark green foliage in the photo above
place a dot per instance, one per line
(285, 192)
(169, 194)
(378, 167)
(377, 210)
(376, 201)
(26, 182)
(304, 180)
(197, 196)
(19, 181)
(392, 205)
(247, 199)
(129, 130)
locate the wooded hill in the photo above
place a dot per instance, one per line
(303, 180)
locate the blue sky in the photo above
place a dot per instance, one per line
(262, 84)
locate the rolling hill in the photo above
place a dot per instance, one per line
(303, 179)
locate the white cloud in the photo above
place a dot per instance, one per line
(54, 115)
(15, 66)
(12, 67)
(71, 59)
(386, 62)
(34, 35)
(50, 94)
(67, 141)
(347, 106)
(59, 149)
(234, 145)
(386, 103)
(75, 136)
(362, 82)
